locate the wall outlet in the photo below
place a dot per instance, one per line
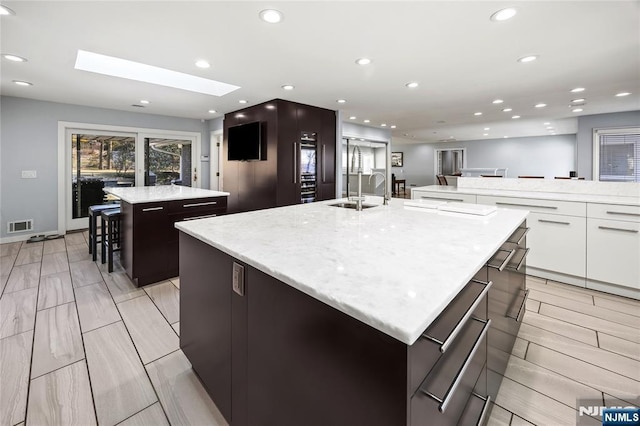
(29, 174)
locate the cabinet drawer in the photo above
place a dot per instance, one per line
(196, 205)
(614, 212)
(446, 330)
(613, 250)
(569, 208)
(451, 197)
(150, 223)
(557, 243)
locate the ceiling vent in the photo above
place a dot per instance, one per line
(20, 226)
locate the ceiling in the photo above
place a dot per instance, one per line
(461, 59)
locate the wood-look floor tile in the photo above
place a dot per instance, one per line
(558, 326)
(592, 292)
(55, 290)
(619, 346)
(152, 416)
(57, 341)
(78, 252)
(530, 279)
(176, 327)
(520, 348)
(519, 421)
(181, 394)
(617, 305)
(561, 292)
(6, 263)
(534, 406)
(151, 334)
(629, 400)
(120, 384)
(23, 277)
(121, 287)
(585, 320)
(167, 298)
(15, 357)
(10, 249)
(29, 254)
(548, 383)
(62, 397)
(176, 282)
(75, 238)
(584, 308)
(117, 265)
(85, 272)
(17, 312)
(499, 416)
(583, 372)
(591, 354)
(95, 307)
(53, 263)
(532, 305)
(54, 246)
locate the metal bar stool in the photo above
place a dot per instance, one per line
(110, 234)
(94, 212)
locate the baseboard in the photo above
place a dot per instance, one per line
(16, 238)
(556, 276)
(632, 293)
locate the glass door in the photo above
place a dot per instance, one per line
(168, 162)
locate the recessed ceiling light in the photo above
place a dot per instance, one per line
(212, 111)
(383, 125)
(541, 105)
(412, 85)
(239, 115)
(117, 67)
(498, 101)
(504, 14)
(393, 126)
(367, 121)
(341, 101)
(529, 58)
(269, 106)
(577, 110)
(485, 134)
(271, 16)
(22, 83)
(577, 89)
(623, 94)
(353, 117)
(288, 87)
(202, 64)
(363, 61)
(145, 102)
(550, 128)
(546, 124)
(487, 128)
(477, 113)
(242, 101)
(577, 101)
(14, 58)
(505, 137)
(507, 109)
(4, 10)
(515, 116)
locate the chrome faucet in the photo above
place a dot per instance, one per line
(358, 199)
(386, 191)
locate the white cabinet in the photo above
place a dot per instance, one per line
(570, 208)
(443, 196)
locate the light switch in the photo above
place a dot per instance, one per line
(238, 278)
(29, 174)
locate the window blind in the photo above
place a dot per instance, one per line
(620, 157)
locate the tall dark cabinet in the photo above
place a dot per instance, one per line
(298, 164)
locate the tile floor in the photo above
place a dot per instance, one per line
(80, 346)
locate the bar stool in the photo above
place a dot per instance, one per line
(110, 234)
(94, 212)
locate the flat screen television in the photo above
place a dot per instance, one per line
(245, 142)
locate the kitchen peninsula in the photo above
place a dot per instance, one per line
(149, 246)
(315, 314)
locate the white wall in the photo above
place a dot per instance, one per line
(29, 141)
(417, 159)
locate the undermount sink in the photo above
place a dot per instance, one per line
(352, 205)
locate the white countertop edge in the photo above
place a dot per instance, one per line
(149, 194)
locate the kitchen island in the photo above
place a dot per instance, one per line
(316, 314)
(149, 240)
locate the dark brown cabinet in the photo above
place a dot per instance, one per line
(276, 180)
(149, 239)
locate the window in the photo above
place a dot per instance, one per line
(617, 155)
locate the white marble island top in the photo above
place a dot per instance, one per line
(149, 194)
(392, 267)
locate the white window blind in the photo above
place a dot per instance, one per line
(619, 157)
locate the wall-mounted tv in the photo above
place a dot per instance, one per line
(244, 142)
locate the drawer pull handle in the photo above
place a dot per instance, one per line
(554, 221)
(458, 328)
(454, 386)
(525, 231)
(483, 413)
(523, 306)
(623, 213)
(521, 262)
(504, 262)
(634, 231)
(439, 198)
(151, 209)
(200, 217)
(207, 203)
(500, 203)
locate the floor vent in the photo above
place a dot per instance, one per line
(20, 226)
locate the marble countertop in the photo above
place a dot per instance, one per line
(540, 195)
(148, 194)
(392, 267)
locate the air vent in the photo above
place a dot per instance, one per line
(137, 106)
(20, 226)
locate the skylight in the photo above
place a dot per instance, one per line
(117, 67)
